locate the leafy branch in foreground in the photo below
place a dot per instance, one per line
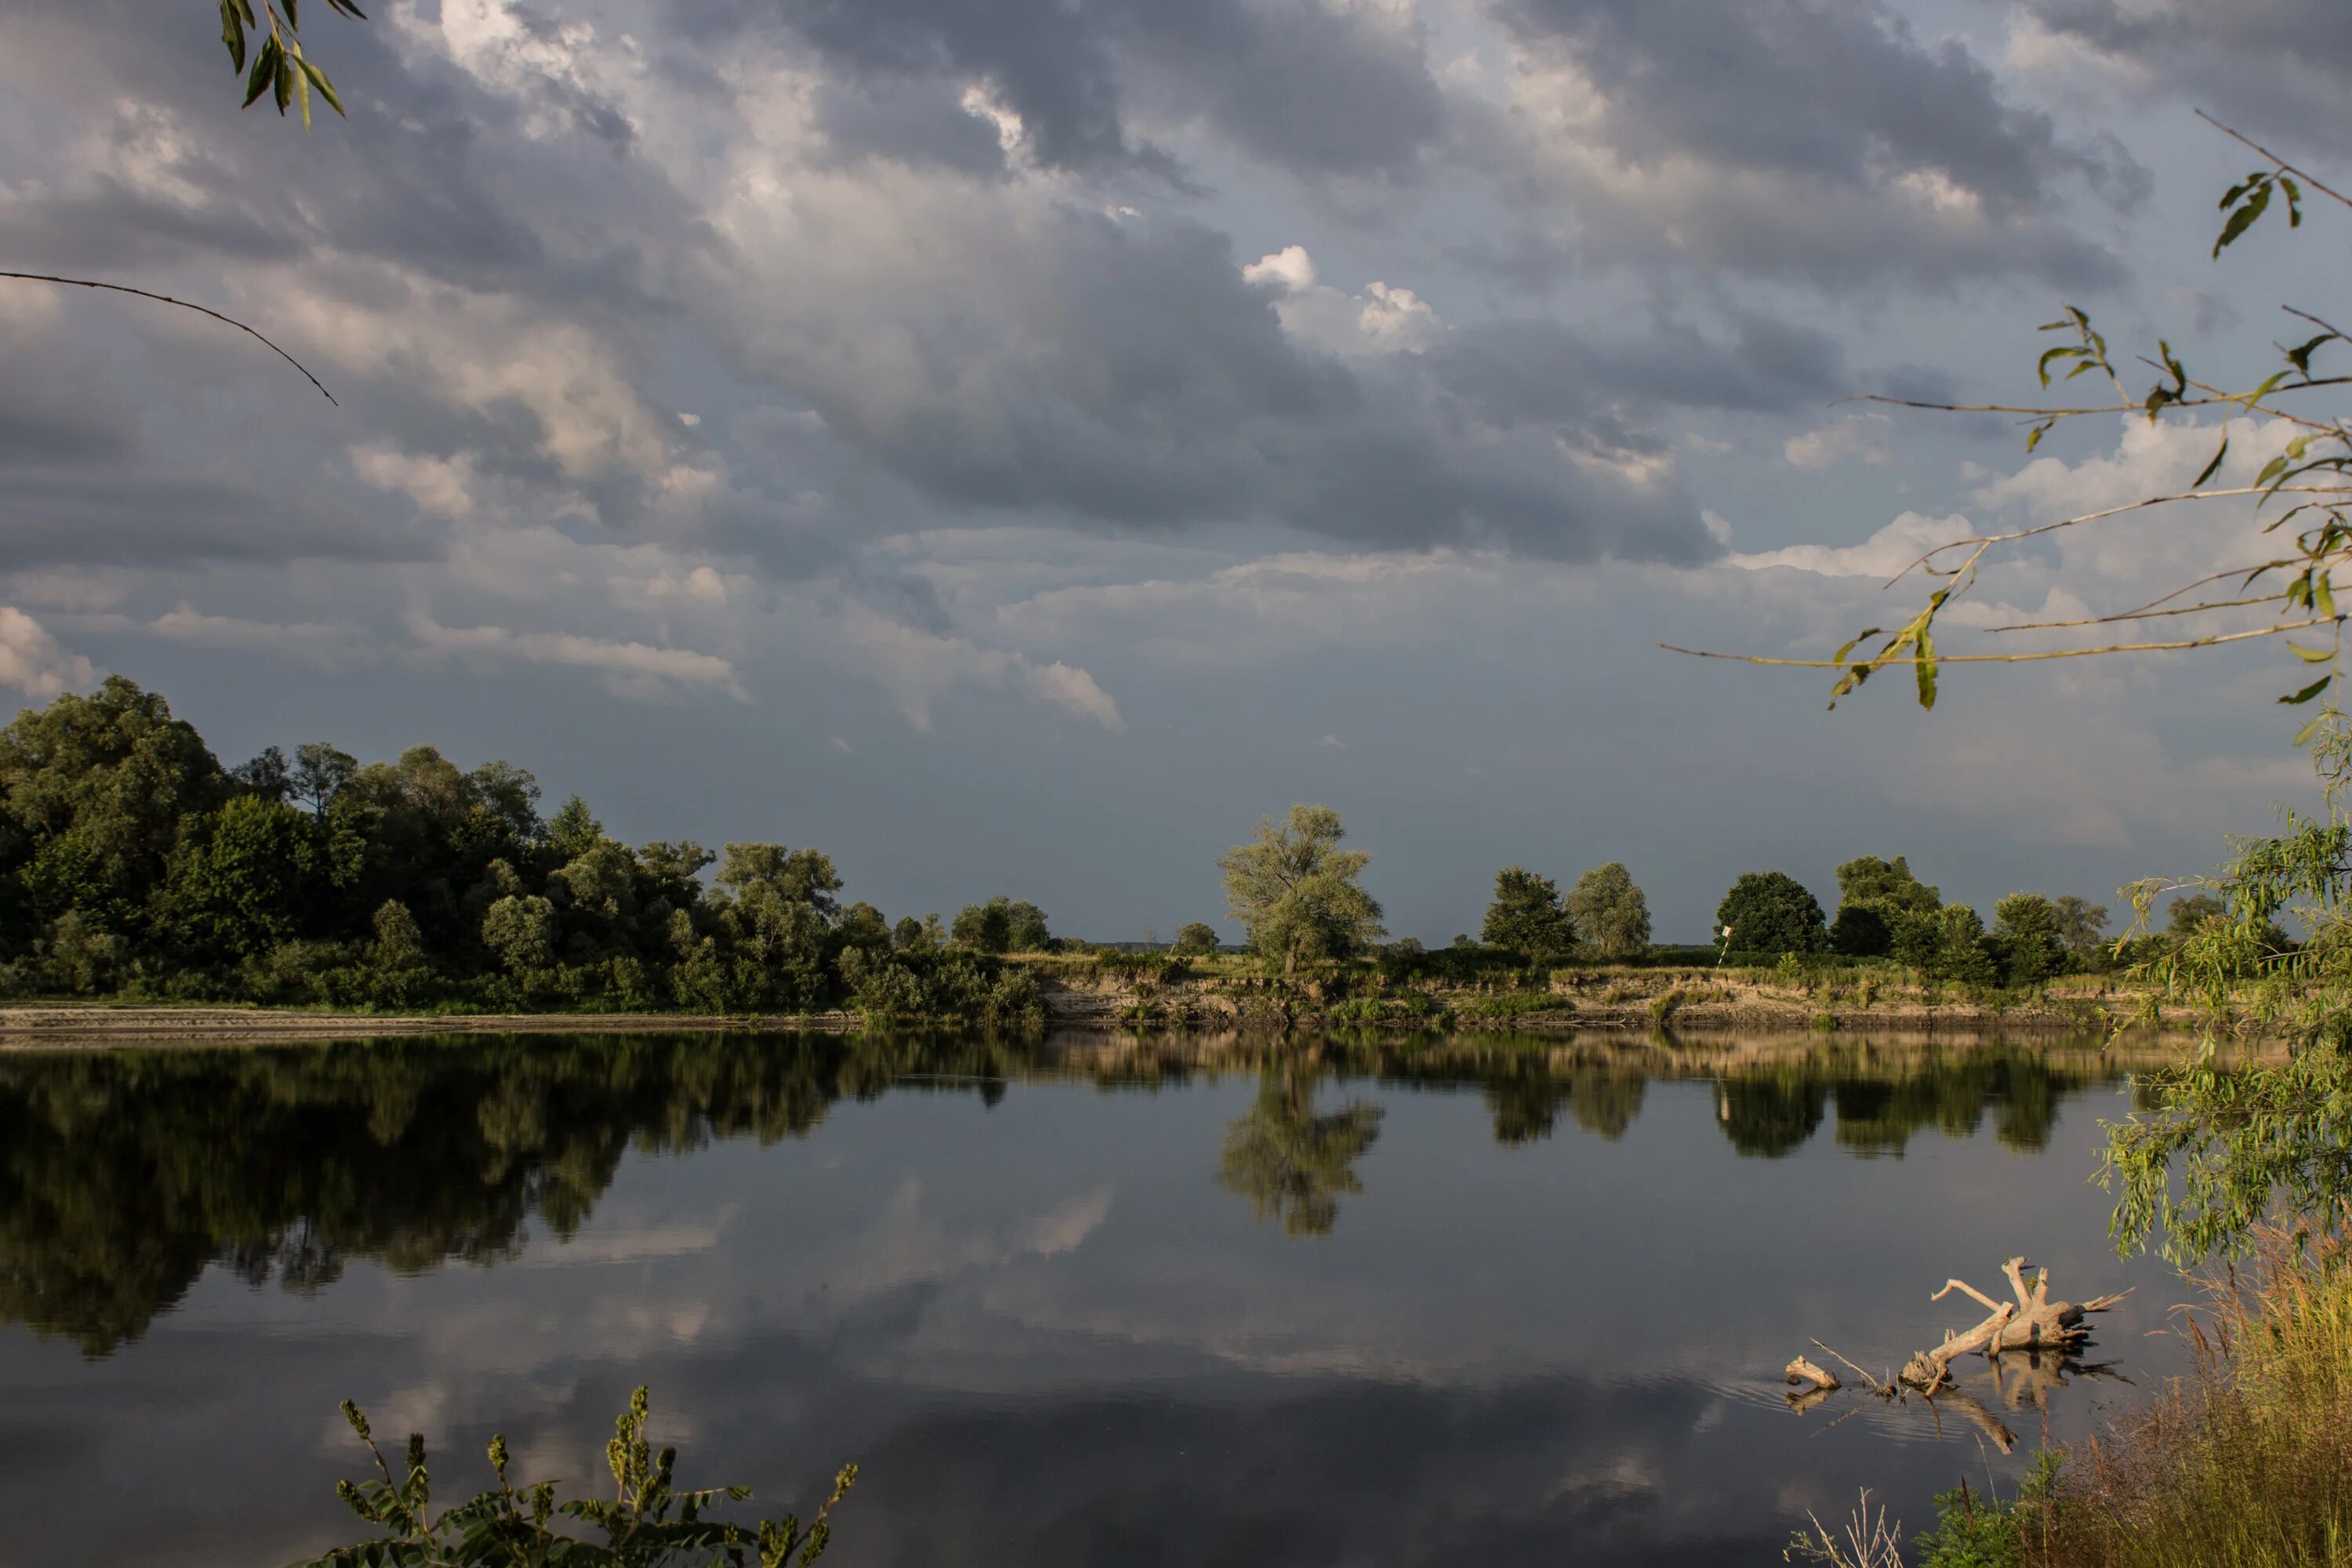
(2308, 484)
(646, 1523)
(2212, 1150)
(281, 69)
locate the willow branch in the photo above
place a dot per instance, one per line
(1943, 659)
(184, 305)
(2135, 615)
(2250, 403)
(2248, 572)
(2037, 411)
(1982, 540)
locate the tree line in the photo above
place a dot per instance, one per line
(132, 862)
(1300, 897)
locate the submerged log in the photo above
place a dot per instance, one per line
(1802, 1371)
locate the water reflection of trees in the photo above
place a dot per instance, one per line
(1288, 1160)
(124, 1175)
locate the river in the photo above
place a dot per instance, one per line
(1101, 1301)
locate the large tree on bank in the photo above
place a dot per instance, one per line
(1298, 892)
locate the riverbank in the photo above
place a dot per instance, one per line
(1088, 996)
(101, 1023)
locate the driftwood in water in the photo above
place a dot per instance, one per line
(1802, 1371)
(2033, 1322)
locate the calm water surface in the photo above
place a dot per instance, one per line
(1101, 1301)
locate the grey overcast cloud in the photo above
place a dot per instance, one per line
(1012, 443)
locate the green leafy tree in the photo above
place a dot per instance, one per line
(1611, 914)
(1948, 944)
(1861, 930)
(984, 928)
(1771, 912)
(1299, 895)
(1195, 939)
(268, 774)
(242, 879)
(2191, 910)
(1887, 885)
(1527, 916)
(1882, 896)
(521, 933)
(319, 773)
(2081, 927)
(2027, 938)
(92, 790)
(573, 831)
(1024, 927)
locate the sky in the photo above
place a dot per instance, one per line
(1011, 445)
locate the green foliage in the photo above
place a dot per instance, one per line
(2027, 942)
(2210, 1151)
(1770, 913)
(1528, 917)
(1975, 1530)
(647, 1522)
(93, 792)
(1002, 925)
(1298, 892)
(2298, 581)
(281, 69)
(1610, 914)
(1197, 939)
(1948, 944)
(1888, 885)
(1861, 930)
(131, 865)
(2082, 925)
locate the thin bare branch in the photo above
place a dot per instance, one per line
(2284, 167)
(1943, 659)
(184, 305)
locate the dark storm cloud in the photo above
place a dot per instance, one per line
(1124, 375)
(1544, 371)
(1803, 122)
(2274, 66)
(1782, 84)
(100, 516)
(1148, 385)
(1301, 86)
(910, 119)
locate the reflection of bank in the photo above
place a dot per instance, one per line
(124, 1174)
(1288, 1161)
